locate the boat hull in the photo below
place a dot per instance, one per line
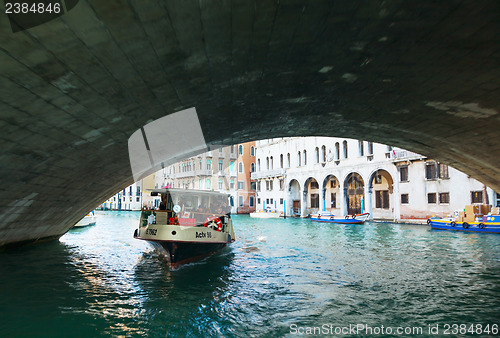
(489, 227)
(185, 244)
(357, 219)
(180, 253)
(85, 222)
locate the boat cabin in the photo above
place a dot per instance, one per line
(188, 207)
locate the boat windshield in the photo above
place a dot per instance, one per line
(189, 207)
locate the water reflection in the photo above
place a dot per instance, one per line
(101, 281)
(177, 299)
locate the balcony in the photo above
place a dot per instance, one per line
(185, 174)
(405, 155)
(204, 172)
(233, 156)
(268, 173)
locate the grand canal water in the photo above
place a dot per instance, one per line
(279, 274)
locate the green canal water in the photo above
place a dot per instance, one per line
(280, 277)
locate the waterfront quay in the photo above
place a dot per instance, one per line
(279, 278)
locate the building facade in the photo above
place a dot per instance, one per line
(245, 193)
(223, 169)
(304, 175)
(130, 198)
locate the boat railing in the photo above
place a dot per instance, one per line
(187, 218)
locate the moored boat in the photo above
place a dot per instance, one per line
(487, 224)
(189, 225)
(266, 214)
(349, 219)
(88, 220)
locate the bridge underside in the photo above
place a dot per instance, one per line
(422, 75)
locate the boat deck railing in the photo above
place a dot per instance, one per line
(188, 218)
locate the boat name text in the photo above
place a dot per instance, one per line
(203, 234)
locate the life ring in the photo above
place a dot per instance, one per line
(481, 226)
(465, 225)
(214, 223)
(347, 217)
(452, 224)
(354, 216)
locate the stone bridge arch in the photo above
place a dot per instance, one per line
(252, 70)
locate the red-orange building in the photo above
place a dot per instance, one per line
(245, 192)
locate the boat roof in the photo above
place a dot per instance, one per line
(186, 191)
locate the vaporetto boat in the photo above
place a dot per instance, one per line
(349, 219)
(489, 224)
(189, 224)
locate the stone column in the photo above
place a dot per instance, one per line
(369, 199)
(303, 203)
(322, 199)
(396, 199)
(343, 198)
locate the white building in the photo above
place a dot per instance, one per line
(129, 198)
(304, 175)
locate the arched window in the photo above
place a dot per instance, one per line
(271, 163)
(299, 159)
(258, 164)
(240, 167)
(323, 154)
(288, 160)
(209, 164)
(240, 149)
(252, 167)
(252, 151)
(345, 149)
(317, 154)
(361, 148)
(305, 157)
(267, 163)
(370, 148)
(281, 161)
(337, 151)
(231, 166)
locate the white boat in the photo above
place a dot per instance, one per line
(265, 214)
(88, 220)
(349, 219)
(189, 225)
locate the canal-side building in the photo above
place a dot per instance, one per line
(304, 175)
(130, 199)
(133, 197)
(245, 190)
(225, 169)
